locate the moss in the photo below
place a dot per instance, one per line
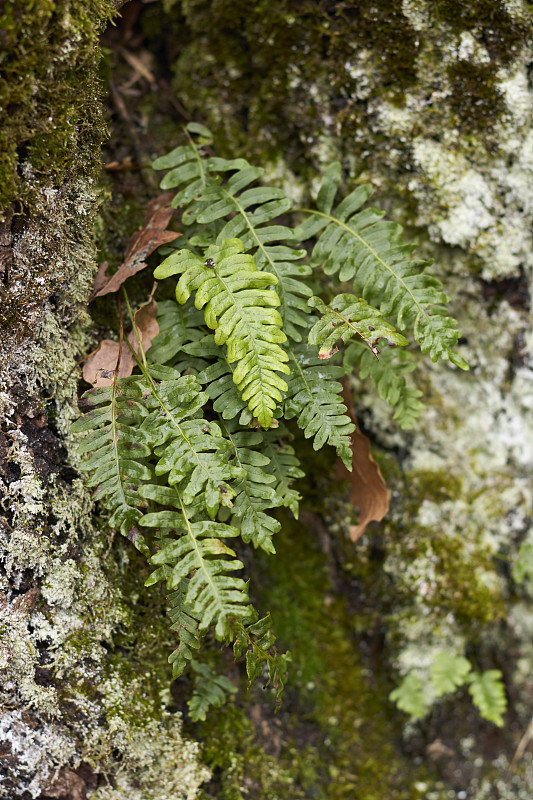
(494, 26)
(475, 96)
(49, 94)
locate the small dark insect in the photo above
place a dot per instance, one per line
(209, 262)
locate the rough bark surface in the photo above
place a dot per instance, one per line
(432, 102)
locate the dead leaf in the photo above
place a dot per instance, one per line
(143, 242)
(368, 490)
(100, 367)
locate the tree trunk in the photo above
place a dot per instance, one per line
(432, 103)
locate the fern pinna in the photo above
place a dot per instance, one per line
(195, 450)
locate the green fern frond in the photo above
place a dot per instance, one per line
(200, 554)
(409, 696)
(358, 245)
(313, 398)
(185, 623)
(241, 310)
(192, 451)
(488, 695)
(210, 689)
(255, 493)
(449, 671)
(242, 212)
(350, 316)
(388, 376)
(256, 640)
(117, 449)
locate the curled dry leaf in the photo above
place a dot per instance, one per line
(367, 487)
(100, 366)
(143, 242)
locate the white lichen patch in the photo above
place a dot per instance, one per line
(158, 763)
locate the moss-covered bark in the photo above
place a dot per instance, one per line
(432, 102)
(73, 719)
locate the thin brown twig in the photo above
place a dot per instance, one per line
(522, 745)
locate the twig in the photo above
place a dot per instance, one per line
(521, 749)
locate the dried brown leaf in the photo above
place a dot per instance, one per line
(367, 487)
(100, 367)
(143, 242)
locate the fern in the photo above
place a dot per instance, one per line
(350, 316)
(228, 284)
(256, 642)
(185, 624)
(199, 553)
(241, 212)
(195, 451)
(409, 696)
(210, 689)
(448, 672)
(313, 398)
(359, 246)
(488, 695)
(387, 374)
(255, 493)
(115, 449)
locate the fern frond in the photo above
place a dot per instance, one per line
(190, 449)
(313, 398)
(200, 554)
(488, 695)
(388, 376)
(185, 623)
(210, 689)
(256, 640)
(358, 245)
(244, 318)
(255, 493)
(449, 671)
(409, 696)
(350, 316)
(118, 448)
(243, 212)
